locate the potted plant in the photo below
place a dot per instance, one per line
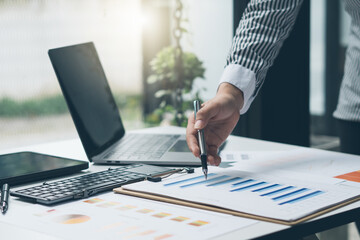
(164, 73)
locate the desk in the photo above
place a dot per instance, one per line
(260, 230)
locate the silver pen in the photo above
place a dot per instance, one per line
(201, 140)
(5, 198)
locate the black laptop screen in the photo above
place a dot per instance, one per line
(88, 96)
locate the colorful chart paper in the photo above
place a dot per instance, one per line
(352, 176)
(93, 200)
(198, 223)
(72, 219)
(145, 210)
(180, 219)
(100, 218)
(162, 215)
(126, 207)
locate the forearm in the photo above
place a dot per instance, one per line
(258, 40)
(232, 93)
(262, 29)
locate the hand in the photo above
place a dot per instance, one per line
(217, 117)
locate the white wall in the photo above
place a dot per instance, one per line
(28, 28)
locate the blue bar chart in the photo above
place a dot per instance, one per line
(283, 195)
(280, 193)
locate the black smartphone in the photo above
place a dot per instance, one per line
(25, 167)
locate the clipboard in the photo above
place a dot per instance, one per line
(172, 200)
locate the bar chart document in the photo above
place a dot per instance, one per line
(279, 196)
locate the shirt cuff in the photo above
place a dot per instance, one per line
(243, 79)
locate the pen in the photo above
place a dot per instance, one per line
(5, 198)
(201, 139)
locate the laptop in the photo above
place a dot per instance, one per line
(97, 118)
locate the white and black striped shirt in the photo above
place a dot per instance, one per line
(264, 26)
(348, 107)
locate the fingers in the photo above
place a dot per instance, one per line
(208, 110)
(213, 158)
(191, 137)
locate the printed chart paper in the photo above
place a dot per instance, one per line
(304, 160)
(281, 195)
(114, 216)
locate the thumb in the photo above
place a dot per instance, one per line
(208, 111)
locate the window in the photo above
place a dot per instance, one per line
(329, 35)
(32, 109)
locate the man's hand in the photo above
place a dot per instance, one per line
(217, 117)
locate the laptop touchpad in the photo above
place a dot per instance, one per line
(149, 170)
(180, 146)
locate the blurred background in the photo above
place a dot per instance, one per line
(129, 34)
(135, 40)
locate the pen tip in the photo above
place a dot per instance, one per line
(205, 173)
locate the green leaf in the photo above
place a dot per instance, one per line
(162, 93)
(152, 79)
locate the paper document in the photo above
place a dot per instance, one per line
(114, 216)
(305, 160)
(280, 195)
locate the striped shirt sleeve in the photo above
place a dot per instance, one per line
(264, 25)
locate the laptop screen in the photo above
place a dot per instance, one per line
(88, 96)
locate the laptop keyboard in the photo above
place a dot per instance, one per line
(142, 146)
(89, 184)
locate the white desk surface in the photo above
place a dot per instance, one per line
(74, 149)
